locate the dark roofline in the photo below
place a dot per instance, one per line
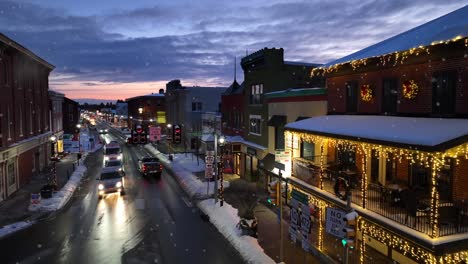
(440, 147)
(24, 50)
(299, 63)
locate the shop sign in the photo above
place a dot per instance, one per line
(334, 222)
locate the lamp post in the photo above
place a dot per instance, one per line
(280, 168)
(169, 138)
(53, 181)
(53, 140)
(221, 141)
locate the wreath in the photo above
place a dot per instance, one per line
(342, 188)
(410, 89)
(366, 93)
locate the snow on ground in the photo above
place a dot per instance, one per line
(225, 219)
(8, 229)
(60, 198)
(183, 166)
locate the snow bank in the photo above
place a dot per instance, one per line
(225, 219)
(8, 229)
(60, 198)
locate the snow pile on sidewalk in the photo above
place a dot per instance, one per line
(183, 167)
(225, 219)
(60, 198)
(8, 229)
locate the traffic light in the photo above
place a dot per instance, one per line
(350, 229)
(143, 137)
(273, 190)
(135, 137)
(177, 134)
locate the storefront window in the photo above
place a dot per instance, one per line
(307, 150)
(11, 174)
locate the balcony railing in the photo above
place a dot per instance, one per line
(393, 202)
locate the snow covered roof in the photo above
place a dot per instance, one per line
(297, 92)
(299, 63)
(422, 133)
(444, 28)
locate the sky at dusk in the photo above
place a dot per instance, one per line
(116, 49)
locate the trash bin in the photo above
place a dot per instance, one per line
(46, 191)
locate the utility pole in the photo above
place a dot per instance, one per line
(280, 201)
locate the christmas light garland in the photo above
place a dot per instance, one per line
(367, 93)
(410, 89)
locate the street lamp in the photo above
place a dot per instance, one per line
(221, 141)
(169, 139)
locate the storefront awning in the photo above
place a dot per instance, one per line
(429, 134)
(268, 162)
(277, 120)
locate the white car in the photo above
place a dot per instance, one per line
(103, 131)
(114, 164)
(126, 130)
(111, 181)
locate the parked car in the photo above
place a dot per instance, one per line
(111, 180)
(128, 139)
(126, 130)
(150, 166)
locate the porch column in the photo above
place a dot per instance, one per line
(434, 216)
(365, 156)
(321, 165)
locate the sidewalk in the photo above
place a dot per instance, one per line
(15, 208)
(268, 223)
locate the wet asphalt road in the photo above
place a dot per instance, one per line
(153, 223)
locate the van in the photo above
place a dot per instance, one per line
(112, 151)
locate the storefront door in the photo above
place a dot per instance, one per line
(237, 160)
(2, 182)
(11, 177)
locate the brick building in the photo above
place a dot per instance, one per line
(266, 71)
(396, 141)
(71, 115)
(56, 122)
(147, 110)
(24, 115)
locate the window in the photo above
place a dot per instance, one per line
(389, 103)
(443, 89)
(9, 123)
(351, 96)
(196, 106)
(11, 174)
(31, 117)
(307, 150)
(21, 120)
(161, 117)
(256, 92)
(255, 123)
(279, 137)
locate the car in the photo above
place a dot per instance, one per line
(150, 166)
(110, 180)
(92, 127)
(115, 164)
(112, 151)
(103, 131)
(126, 130)
(128, 139)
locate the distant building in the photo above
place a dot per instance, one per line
(266, 71)
(185, 106)
(71, 115)
(56, 122)
(147, 110)
(24, 115)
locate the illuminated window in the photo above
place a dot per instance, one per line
(161, 117)
(256, 92)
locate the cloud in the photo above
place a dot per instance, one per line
(196, 42)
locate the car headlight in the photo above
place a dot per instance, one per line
(118, 184)
(101, 187)
(106, 158)
(119, 156)
(107, 130)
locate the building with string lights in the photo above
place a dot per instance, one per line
(395, 141)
